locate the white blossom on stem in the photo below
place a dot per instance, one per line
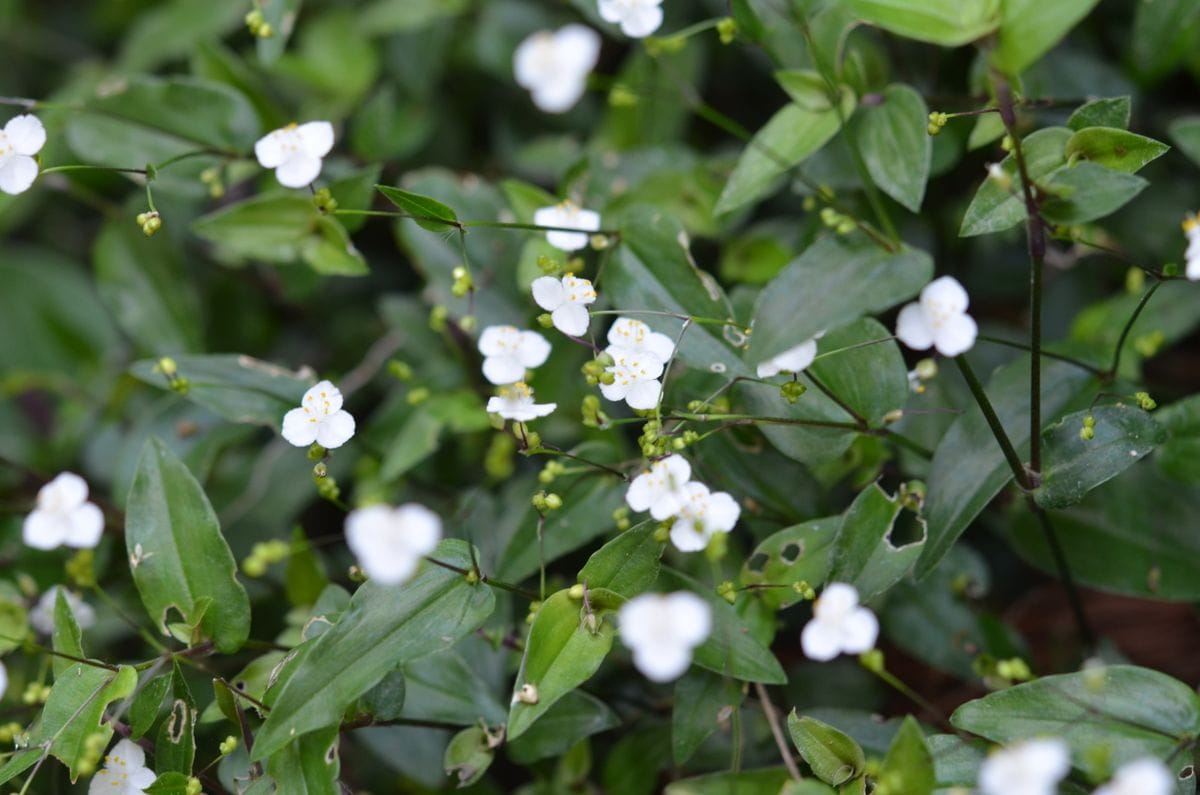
(515, 402)
(390, 542)
(42, 615)
(508, 352)
(1191, 227)
(661, 488)
(568, 215)
(637, 18)
(634, 336)
(701, 516)
(1144, 776)
(566, 300)
(839, 624)
(124, 771)
(554, 66)
(295, 152)
(938, 319)
(63, 515)
(22, 138)
(320, 418)
(793, 360)
(662, 630)
(635, 379)
(1032, 767)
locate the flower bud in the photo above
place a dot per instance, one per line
(545, 321)
(399, 370)
(417, 396)
(193, 785)
(727, 591)
(576, 591)
(528, 694)
(316, 453)
(727, 30)
(872, 660)
(228, 745)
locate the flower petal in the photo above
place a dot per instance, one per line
(66, 491)
(686, 537)
(820, 640)
(44, 530)
(642, 21)
(316, 138)
(643, 394)
(299, 427)
(913, 329)
(299, 170)
(335, 430)
(502, 370)
(271, 150)
(860, 629)
(956, 336)
(691, 617)
(533, 349)
(549, 293)
(571, 319)
(17, 173)
(422, 527)
(25, 134)
(662, 662)
(567, 241)
(86, 526)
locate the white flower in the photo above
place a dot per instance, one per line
(1191, 226)
(793, 360)
(662, 630)
(939, 319)
(295, 152)
(124, 771)
(1033, 767)
(571, 216)
(42, 615)
(3, 679)
(508, 352)
(319, 419)
(637, 18)
(635, 336)
(635, 378)
(21, 139)
(566, 300)
(64, 516)
(701, 516)
(554, 66)
(389, 542)
(515, 402)
(1145, 776)
(661, 488)
(839, 625)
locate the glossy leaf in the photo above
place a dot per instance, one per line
(896, 147)
(865, 554)
(1029, 28)
(627, 565)
(1164, 34)
(950, 23)
(144, 709)
(429, 213)
(445, 688)
(703, 702)
(281, 16)
(801, 553)
(185, 567)
(572, 718)
(1112, 112)
(833, 756)
(1087, 191)
(1114, 148)
(995, 207)
(67, 638)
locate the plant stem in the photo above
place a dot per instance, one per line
(781, 742)
(859, 420)
(486, 579)
(1116, 362)
(913, 696)
(1082, 365)
(993, 421)
(1064, 573)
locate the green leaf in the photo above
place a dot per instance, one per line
(1164, 34)
(74, 710)
(172, 30)
(561, 653)
(968, 468)
(1088, 191)
(185, 565)
(909, 763)
(397, 16)
(1029, 28)
(833, 756)
(330, 252)
(383, 627)
(66, 638)
(308, 766)
(170, 783)
(281, 16)
(429, 213)
(445, 688)
(1127, 711)
(1074, 465)
(767, 781)
(955, 760)
(786, 141)
(1114, 148)
(865, 554)
(468, 756)
(801, 553)
(146, 705)
(1179, 455)
(1185, 132)
(305, 578)
(627, 565)
(950, 23)
(525, 199)
(1111, 112)
(573, 717)
(176, 746)
(703, 701)
(895, 145)
(995, 207)
(238, 388)
(988, 127)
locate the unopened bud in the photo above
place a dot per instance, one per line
(872, 660)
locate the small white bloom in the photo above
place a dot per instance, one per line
(3, 679)
(515, 402)
(1191, 226)
(42, 615)
(508, 352)
(1145, 776)
(661, 488)
(566, 300)
(939, 319)
(839, 625)
(637, 18)
(21, 139)
(570, 216)
(124, 771)
(793, 360)
(1033, 767)
(389, 542)
(295, 152)
(701, 516)
(64, 516)
(635, 378)
(554, 66)
(319, 419)
(662, 630)
(635, 336)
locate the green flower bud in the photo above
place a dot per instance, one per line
(727, 591)
(399, 370)
(727, 30)
(228, 745)
(872, 660)
(576, 592)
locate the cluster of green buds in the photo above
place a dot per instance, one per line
(727, 591)
(170, 370)
(1150, 344)
(998, 674)
(806, 591)
(258, 26)
(552, 470)
(937, 121)
(684, 439)
(150, 222)
(792, 391)
(211, 178)
(327, 487)
(593, 415)
(462, 282)
(417, 396)
(35, 693)
(80, 568)
(263, 554)
(621, 518)
(839, 222)
(652, 442)
(622, 96)
(438, 317)
(595, 371)
(401, 371)
(10, 732)
(718, 406)
(549, 266)
(324, 202)
(1088, 431)
(1144, 401)
(544, 503)
(228, 745)
(727, 30)
(193, 786)
(93, 752)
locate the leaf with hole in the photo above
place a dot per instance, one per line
(801, 553)
(865, 554)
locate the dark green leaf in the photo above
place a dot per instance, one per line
(66, 638)
(429, 213)
(144, 709)
(1108, 112)
(171, 30)
(176, 746)
(308, 766)
(1164, 34)
(767, 781)
(955, 760)
(1114, 148)
(445, 688)
(573, 717)
(950, 23)
(1029, 28)
(281, 16)
(1185, 133)
(627, 565)
(895, 145)
(74, 710)
(801, 553)
(468, 756)
(996, 207)
(833, 756)
(865, 554)
(305, 579)
(908, 767)
(1087, 191)
(703, 702)
(1179, 456)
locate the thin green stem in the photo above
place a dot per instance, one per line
(859, 420)
(84, 167)
(912, 695)
(552, 450)
(464, 225)
(1116, 361)
(785, 750)
(752, 419)
(993, 421)
(485, 579)
(1096, 371)
(704, 321)
(1064, 573)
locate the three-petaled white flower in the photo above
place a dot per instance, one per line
(64, 516)
(703, 514)
(515, 402)
(389, 542)
(319, 419)
(839, 624)
(637, 18)
(1145, 776)
(295, 152)
(1191, 227)
(508, 352)
(662, 630)
(635, 378)
(566, 300)
(661, 489)
(633, 335)
(1033, 767)
(124, 771)
(42, 615)
(21, 139)
(554, 66)
(938, 319)
(567, 215)
(793, 360)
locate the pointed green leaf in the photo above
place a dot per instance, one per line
(308, 766)
(1029, 28)
(626, 565)
(833, 756)
(1087, 191)
(865, 554)
(572, 718)
(801, 553)
(950, 23)
(1185, 133)
(703, 702)
(75, 707)
(429, 213)
(176, 746)
(445, 688)
(766, 781)
(144, 709)
(1114, 148)
(1164, 35)
(1107, 112)
(66, 638)
(996, 207)
(468, 756)
(908, 766)
(895, 144)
